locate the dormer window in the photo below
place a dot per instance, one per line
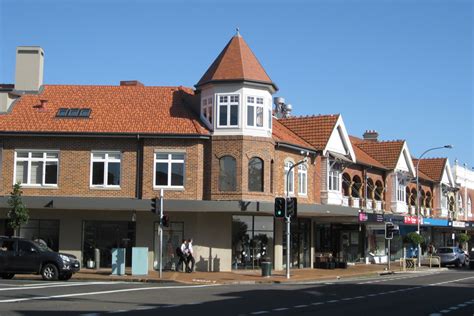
(207, 109)
(255, 111)
(228, 111)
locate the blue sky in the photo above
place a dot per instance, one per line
(404, 68)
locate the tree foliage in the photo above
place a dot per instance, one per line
(463, 238)
(414, 238)
(18, 213)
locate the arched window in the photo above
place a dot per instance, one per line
(346, 182)
(422, 198)
(356, 187)
(407, 195)
(291, 185)
(413, 197)
(370, 188)
(469, 205)
(460, 205)
(428, 200)
(255, 179)
(378, 190)
(302, 179)
(227, 173)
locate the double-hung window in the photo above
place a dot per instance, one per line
(207, 109)
(290, 186)
(401, 190)
(36, 168)
(302, 179)
(255, 111)
(228, 110)
(334, 174)
(105, 169)
(169, 170)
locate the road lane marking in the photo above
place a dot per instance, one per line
(33, 287)
(317, 303)
(300, 306)
(333, 301)
(15, 300)
(452, 308)
(259, 312)
(280, 309)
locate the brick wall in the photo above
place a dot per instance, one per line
(74, 165)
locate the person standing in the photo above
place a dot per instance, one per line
(190, 256)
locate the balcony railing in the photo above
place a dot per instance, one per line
(345, 201)
(378, 205)
(369, 204)
(355, 202)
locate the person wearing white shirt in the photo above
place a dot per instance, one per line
(190, 257)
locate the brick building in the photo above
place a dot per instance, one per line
(91, 158)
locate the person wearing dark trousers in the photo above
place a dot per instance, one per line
(181, 253)
(190, 257)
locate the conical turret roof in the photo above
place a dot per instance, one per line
(236, 62)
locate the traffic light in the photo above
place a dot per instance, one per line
(280, 207)
(164, 221)
(154, 205)
(291, 207)
(390, 229)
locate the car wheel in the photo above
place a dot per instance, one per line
(7, 276)
(65, 276)
(49, 272)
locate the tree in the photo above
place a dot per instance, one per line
(414, 238)
(18, 213)
(463, 238)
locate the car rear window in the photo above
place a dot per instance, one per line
(445, 250)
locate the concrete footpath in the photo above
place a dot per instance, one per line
(237, 276)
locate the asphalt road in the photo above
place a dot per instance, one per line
(450, 293)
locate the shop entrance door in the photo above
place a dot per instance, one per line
(300, 243)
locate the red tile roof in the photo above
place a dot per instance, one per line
(115, 109)
(362, 157)
(236, 62)
(432, 167)
(283, 134)
(316, 130)
(387, 152)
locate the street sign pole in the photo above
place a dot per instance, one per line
(161, 234)
(288, 218)
(388, 255)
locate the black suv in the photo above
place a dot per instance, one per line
(22, 256)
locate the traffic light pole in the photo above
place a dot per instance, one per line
(161, 234)
(288, 218)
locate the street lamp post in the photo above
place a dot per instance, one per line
(418, 195)
(287, 217)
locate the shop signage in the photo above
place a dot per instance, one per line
(410, 220)
(459, 224)
(370, 218)
(434, 222)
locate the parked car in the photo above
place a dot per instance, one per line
(471, 259)
(452, 256)
(22, 256)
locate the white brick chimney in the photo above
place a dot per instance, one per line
(29, 68)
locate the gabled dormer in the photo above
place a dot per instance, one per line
(236, 93)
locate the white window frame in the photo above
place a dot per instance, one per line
(228, 104)
(401, 192)
(469, 206)
(206, 109)
(303, 180)
(30, 159)
(335, 175)
(255, 104)
(291, 187)
(106, 162)
(169, 161)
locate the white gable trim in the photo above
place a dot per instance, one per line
(447, 177)
(405, 163)
(339, 141)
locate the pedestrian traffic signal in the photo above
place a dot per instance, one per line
(164, 221)
(280, 207)
(291, 207)
(390, 229)
(154, 205)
